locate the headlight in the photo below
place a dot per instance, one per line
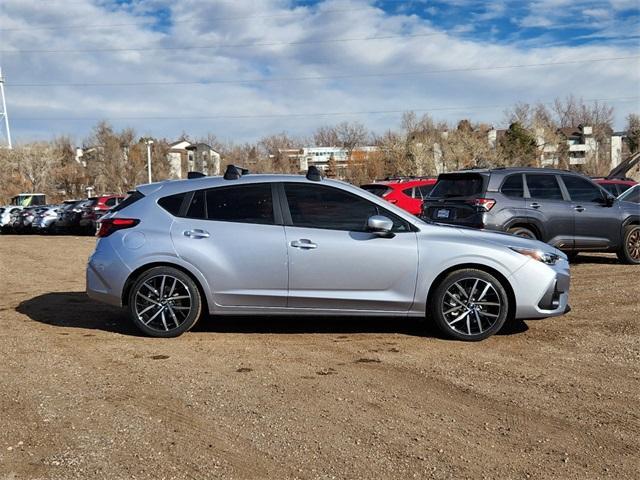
(544, 257)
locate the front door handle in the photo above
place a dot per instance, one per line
(578, 208)
(303, 243)
(535, 205)
(196, 233)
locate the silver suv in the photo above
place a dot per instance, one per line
(294, 245)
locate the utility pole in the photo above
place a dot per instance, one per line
(149, 143)
(3, 113)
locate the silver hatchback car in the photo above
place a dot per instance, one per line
(295, 245)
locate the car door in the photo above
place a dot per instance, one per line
(545, 201)
(233, 236)
(597, 225)
(335, 263)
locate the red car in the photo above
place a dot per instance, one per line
(96, 208)
(615, 186)
(405, 193)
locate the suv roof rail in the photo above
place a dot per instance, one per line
(233, 173)
(191, 175)
(313, 174)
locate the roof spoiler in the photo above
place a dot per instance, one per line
(621, 170)
(314, 174)
(233, 173)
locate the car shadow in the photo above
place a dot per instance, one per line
(77, 310)
(585, 258)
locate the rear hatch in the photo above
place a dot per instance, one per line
(453, 198)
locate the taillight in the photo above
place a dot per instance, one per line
(484, 204)
(110, 225)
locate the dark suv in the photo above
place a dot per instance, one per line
(562, 208)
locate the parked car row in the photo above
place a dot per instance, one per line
(570, 211)
(72, 216)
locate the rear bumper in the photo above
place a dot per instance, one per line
(106, 274)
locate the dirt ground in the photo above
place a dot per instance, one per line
(83, 396)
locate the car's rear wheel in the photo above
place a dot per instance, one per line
(630, 250)
(165, 302)
(469, 305)
(523, 232)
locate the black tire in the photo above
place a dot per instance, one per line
(443, 303)
(629, 252)
(523, 232)
(171, 318)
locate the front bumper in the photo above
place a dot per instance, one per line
(542, 290)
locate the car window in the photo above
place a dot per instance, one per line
(242, 203)
(582, 190)
(110, 202)
(172, 203)
(631, 195)
(318, 206)
(513, 187)
(623, 187)
(378, 190)
(424, 190)
(129, 200)
(196, 207)
(609, 187)
(457, 185)
(543, 186)
(409, 192)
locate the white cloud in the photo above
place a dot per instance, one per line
(281, 36)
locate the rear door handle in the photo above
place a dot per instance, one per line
(578, 208)
(196, 233)
(535, 205)
(303, 243)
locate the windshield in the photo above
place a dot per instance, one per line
(631, 195)
(459, 185)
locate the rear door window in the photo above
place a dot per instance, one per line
(513, 186)
(582, 190)
(460, 185)
(242, 203)
(543, 186)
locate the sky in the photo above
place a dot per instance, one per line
(244, 69)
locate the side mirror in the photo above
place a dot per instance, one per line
(380, 225)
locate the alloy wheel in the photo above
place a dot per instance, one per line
(471, 306)
(163, 303)
(633, 244)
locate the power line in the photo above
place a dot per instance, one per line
(321, 77)
(228, 45)
(315, 114)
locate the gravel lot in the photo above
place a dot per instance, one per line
(83, 396)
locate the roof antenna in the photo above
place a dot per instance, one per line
(234, 173)
(191, 175)
(314, 174)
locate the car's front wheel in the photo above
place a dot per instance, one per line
(630, 250)
(164, 302)
(469, 305)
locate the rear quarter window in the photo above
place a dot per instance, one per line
(172, 203)
(513, 186)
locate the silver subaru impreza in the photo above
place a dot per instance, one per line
(294, 245)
